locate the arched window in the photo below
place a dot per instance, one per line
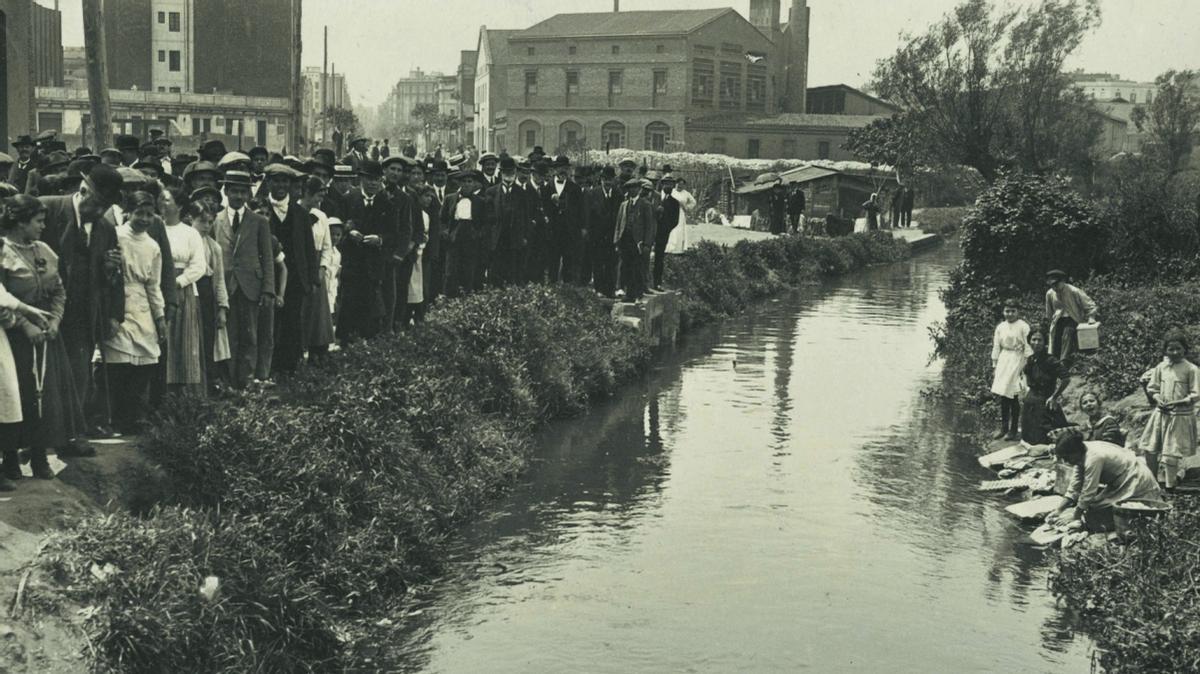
(570, 135)
(529, 134)
(657, 135)
(613, 134)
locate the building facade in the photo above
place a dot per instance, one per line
(839, 99)
(419, 88)
(22, 48)
(491, 83)
(466, 96)
(632, 79)
(782, 136)
(321, 91)
(1106, 87)
(241, 122)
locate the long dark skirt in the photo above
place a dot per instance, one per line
(208, 330)
(61, 417)
(1037, 421)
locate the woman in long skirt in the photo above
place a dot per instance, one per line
(414, 308)
(50, 410)
(1046, 379)
(1170, 436)
(185, 338)
(317, 318)
(211, 292)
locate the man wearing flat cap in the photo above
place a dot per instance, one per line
(89, 262)
(291, 225)
(567, 225)
(212, 151)
(249, 257)
(367, 251)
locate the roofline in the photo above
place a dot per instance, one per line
(843, 85)
(766, 127)
(545, 38)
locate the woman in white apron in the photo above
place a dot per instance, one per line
(678, 242)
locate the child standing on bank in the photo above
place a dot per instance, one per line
(1170, 435)
(1010, 350)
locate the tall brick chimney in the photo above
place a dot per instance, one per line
(764, 14)
(795, 50)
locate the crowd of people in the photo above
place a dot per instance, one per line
(133, 272)
(1032, 370)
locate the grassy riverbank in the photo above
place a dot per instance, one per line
(1134, 253)
(304, 511)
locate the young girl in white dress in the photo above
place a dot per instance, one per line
(1010, 349)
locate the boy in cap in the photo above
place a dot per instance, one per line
(249, 263)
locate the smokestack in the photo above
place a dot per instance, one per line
(616, 5)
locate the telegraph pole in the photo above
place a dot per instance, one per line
(297, 90)
(325, 86)
(97, 73)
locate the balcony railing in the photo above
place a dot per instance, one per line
(191, 100)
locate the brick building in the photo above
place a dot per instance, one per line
(30, 55)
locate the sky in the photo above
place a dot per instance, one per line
(375, 42)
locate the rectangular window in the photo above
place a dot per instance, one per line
(571, 50)
(530, 85)
(614, 86)
(616, 49)
(173, 66)
(162, 90)
(823, 150)
(702, 83)
(752, 148)
(195, 126)
(529, 51)
(789, 148)
(756, 89)
(162, 55)
(530, 137)
(718, 145)
(174, 22)
(660, 88)
(731, 48)
(660, 49)
(162, 17)
(174, 90)
(731, 86)
(572, 86)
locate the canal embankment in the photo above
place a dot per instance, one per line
(1132, 251)
(269, 527)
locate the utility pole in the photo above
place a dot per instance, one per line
(325, 86)
(297, 90)
(97, 73)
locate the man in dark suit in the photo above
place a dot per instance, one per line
(440, 215)
(566, 224)
(396, 174)
(906, 205)
(508, 229)
(601, 204)
(89, 262)
(488, 162)
(245, 240)
(668, 218)
(367, 250)
(532, 177)
(634, 236)
(357, 154)
(464, 236)
(796, 204)
(291, 225)
(18, 175)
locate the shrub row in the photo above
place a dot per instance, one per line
(316, 505)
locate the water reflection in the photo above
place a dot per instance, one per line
(777, 495)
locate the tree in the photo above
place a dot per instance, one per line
(895, 141)
(344, 119)
(1172, 118)
(986, 88)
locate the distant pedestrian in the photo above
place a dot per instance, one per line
(871, 208)
(796, 205)
(906, 205)
(778, 207)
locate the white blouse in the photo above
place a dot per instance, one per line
(188, 252)
(321, 237)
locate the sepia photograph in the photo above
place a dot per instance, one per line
(599, 336)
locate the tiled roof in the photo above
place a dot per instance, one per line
(788, 119)
(621, 24)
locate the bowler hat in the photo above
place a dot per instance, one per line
(82, 150)
(56, 160)
(524, 165)
(608, 172)
(369, 168)
(110, 151)
(148, 163)
(258, 150)
(213, 147)
(162, 140)
(507, 163)
(24, 139)
(148, 149)
(561, 160)
(236, 178)
(104, 181)
(127, 142)
(324, 155)
(438, 165)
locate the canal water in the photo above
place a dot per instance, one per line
(778, 495)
